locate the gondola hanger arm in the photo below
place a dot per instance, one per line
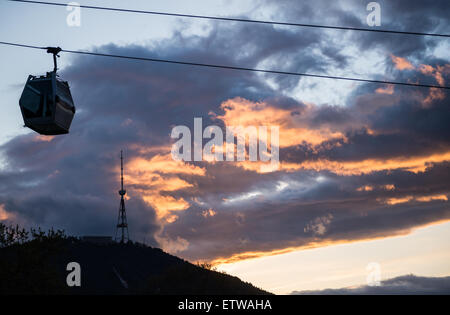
(55, 51)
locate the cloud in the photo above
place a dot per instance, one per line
(209, 213)
(394, 201)
(294, 126)
(401, 63)
(408, 284)
(153, 179)
(4, 215)
(389, 89)
(318, 226)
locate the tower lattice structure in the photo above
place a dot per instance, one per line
(122, 225)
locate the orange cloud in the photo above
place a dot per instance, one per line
(370, 188)
(153, 179)
(426, 69)
(241, 112)
(389, 89)
(4, 215)
(401, 63)
(412, 164)
(365, 188)
(437, 73)
(431, 198)
(425, 198)
(394, 201)
(435, 94)
(42, 138)
(208, 213)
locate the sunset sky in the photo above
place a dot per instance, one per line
(364, 168)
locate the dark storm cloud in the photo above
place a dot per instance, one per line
(408, 284)
(401, 15)
(413, 16)
(71, 181)
(332, 208)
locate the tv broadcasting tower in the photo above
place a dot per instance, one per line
(122, 224)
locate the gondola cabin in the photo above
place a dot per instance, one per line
(47, 105)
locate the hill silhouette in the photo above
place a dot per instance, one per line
(37, 265)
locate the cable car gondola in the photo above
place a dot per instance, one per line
(46, 103)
